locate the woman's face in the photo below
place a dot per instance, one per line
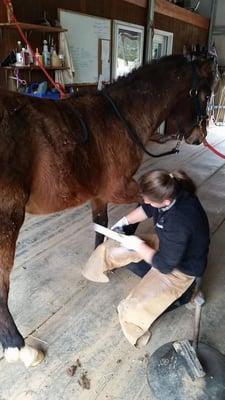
(164, 203)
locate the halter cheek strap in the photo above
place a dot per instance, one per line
(194, 93)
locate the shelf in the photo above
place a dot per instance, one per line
(33, 67)
(32, 27)
(171, 10)
(164, 7)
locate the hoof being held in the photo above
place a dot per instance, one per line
(28, 355)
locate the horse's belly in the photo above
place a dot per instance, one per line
(54, 187)
(47, 200)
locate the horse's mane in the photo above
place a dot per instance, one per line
(153, 67)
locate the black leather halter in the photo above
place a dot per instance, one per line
(201, 114)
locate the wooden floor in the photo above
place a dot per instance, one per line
(75, 320)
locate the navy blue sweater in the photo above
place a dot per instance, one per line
(183, 232)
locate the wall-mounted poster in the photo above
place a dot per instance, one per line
(127, 47)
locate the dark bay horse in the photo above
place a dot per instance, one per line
(60, 154)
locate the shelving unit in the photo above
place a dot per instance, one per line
(29, 72)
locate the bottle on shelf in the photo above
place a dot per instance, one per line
(30, 54)
(51, 46)
(19, 56)
(37, 57)
(55, 62)
(25, 57)
(61, 58)
(46, 58)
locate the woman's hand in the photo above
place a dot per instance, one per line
(119, 224)
(132, 242)
(142, 248)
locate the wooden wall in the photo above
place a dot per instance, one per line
(184, 33)
(113, 9)
(134, 11)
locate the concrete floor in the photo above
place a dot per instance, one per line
(75, 320)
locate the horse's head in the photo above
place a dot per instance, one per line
(190, 114)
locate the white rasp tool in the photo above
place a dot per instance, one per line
(109, 233)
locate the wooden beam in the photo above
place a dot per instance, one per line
(140, 3)
(164, 7)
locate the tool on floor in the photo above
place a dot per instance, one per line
(187, 350)
(187, 369)
(199, 301)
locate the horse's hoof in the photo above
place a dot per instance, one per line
(30, 356)
(39, 359)
(12, 354)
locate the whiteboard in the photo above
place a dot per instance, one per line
(84, 32)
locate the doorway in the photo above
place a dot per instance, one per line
(162, 45)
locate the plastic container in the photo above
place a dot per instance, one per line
(47, 95)
(37, 57)
(46, 57)
(61, 58)
(19, 56)
(40, 90)
(25, 57)
(55, 62)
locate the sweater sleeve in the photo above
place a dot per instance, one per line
(148, 209)
(173, 246)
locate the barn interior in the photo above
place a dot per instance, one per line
(72, 319)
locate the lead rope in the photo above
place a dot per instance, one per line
(133, 135)
(10, 12)
(210, 147)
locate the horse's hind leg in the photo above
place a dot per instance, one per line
(99, 216)
(11, 219)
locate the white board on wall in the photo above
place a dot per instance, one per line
(84, 32)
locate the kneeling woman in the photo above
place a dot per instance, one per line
(168, 270)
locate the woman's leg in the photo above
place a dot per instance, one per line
(148, 300)
(140, 268)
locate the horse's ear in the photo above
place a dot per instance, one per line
(207, 69)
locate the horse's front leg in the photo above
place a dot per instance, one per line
(127, 191)
(12, 342)
(99, 216)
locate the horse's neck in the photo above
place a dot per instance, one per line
(146, 109)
